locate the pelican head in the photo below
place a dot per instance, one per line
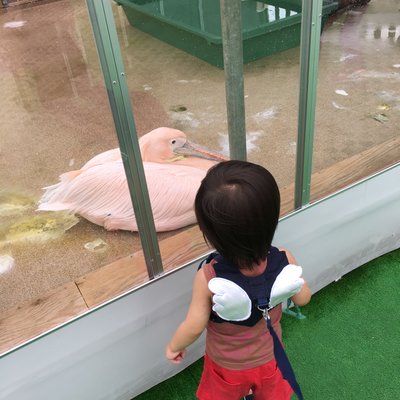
(164, 145)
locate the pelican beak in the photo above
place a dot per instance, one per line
(190, 149)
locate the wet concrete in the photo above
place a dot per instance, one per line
(55, 114)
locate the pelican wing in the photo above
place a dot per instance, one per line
(100, 194)
(97, 193)
(172, 190)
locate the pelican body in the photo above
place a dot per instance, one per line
(99, 191)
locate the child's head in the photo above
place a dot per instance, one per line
(237, 208)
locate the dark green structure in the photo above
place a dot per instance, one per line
(195, 26)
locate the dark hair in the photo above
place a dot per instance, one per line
(237, 208)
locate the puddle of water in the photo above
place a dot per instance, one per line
(341, 92)
(14, 24)
(6, 263)
(97, 246)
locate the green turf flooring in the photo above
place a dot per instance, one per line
(348, 347)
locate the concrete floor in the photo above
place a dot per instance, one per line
(55, 116)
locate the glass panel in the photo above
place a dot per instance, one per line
(358, 104)
(55, 117)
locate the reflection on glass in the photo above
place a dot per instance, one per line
(358, 103)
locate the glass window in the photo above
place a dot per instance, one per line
(358, 103)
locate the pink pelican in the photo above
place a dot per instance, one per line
(99, 192)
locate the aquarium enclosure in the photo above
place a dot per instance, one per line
(113, 111)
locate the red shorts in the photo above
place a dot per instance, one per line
(219, 383)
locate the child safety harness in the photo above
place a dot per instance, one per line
(258, 290)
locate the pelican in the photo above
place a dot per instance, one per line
(173, 166)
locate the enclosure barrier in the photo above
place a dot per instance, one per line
(124, 329)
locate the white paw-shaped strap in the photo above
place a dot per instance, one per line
(286, 285)
(231, 302)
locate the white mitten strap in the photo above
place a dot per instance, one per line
(231, 302)
(286, 285)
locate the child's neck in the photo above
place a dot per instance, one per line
(258, 269)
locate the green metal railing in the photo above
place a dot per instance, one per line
(232, 44)
(309, 47)
(106, 38)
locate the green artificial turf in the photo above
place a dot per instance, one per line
(347, 348)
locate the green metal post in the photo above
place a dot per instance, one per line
(105, 34)
(309, 48)
(231, 25)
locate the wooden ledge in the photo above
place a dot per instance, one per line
(116, 278)
(32, 319)
(61, 304)
(346, 172)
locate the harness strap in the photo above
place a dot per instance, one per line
(207, 260)
(282, 359)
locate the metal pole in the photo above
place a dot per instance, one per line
(105, 34)
(309, 53)
(231, 25)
